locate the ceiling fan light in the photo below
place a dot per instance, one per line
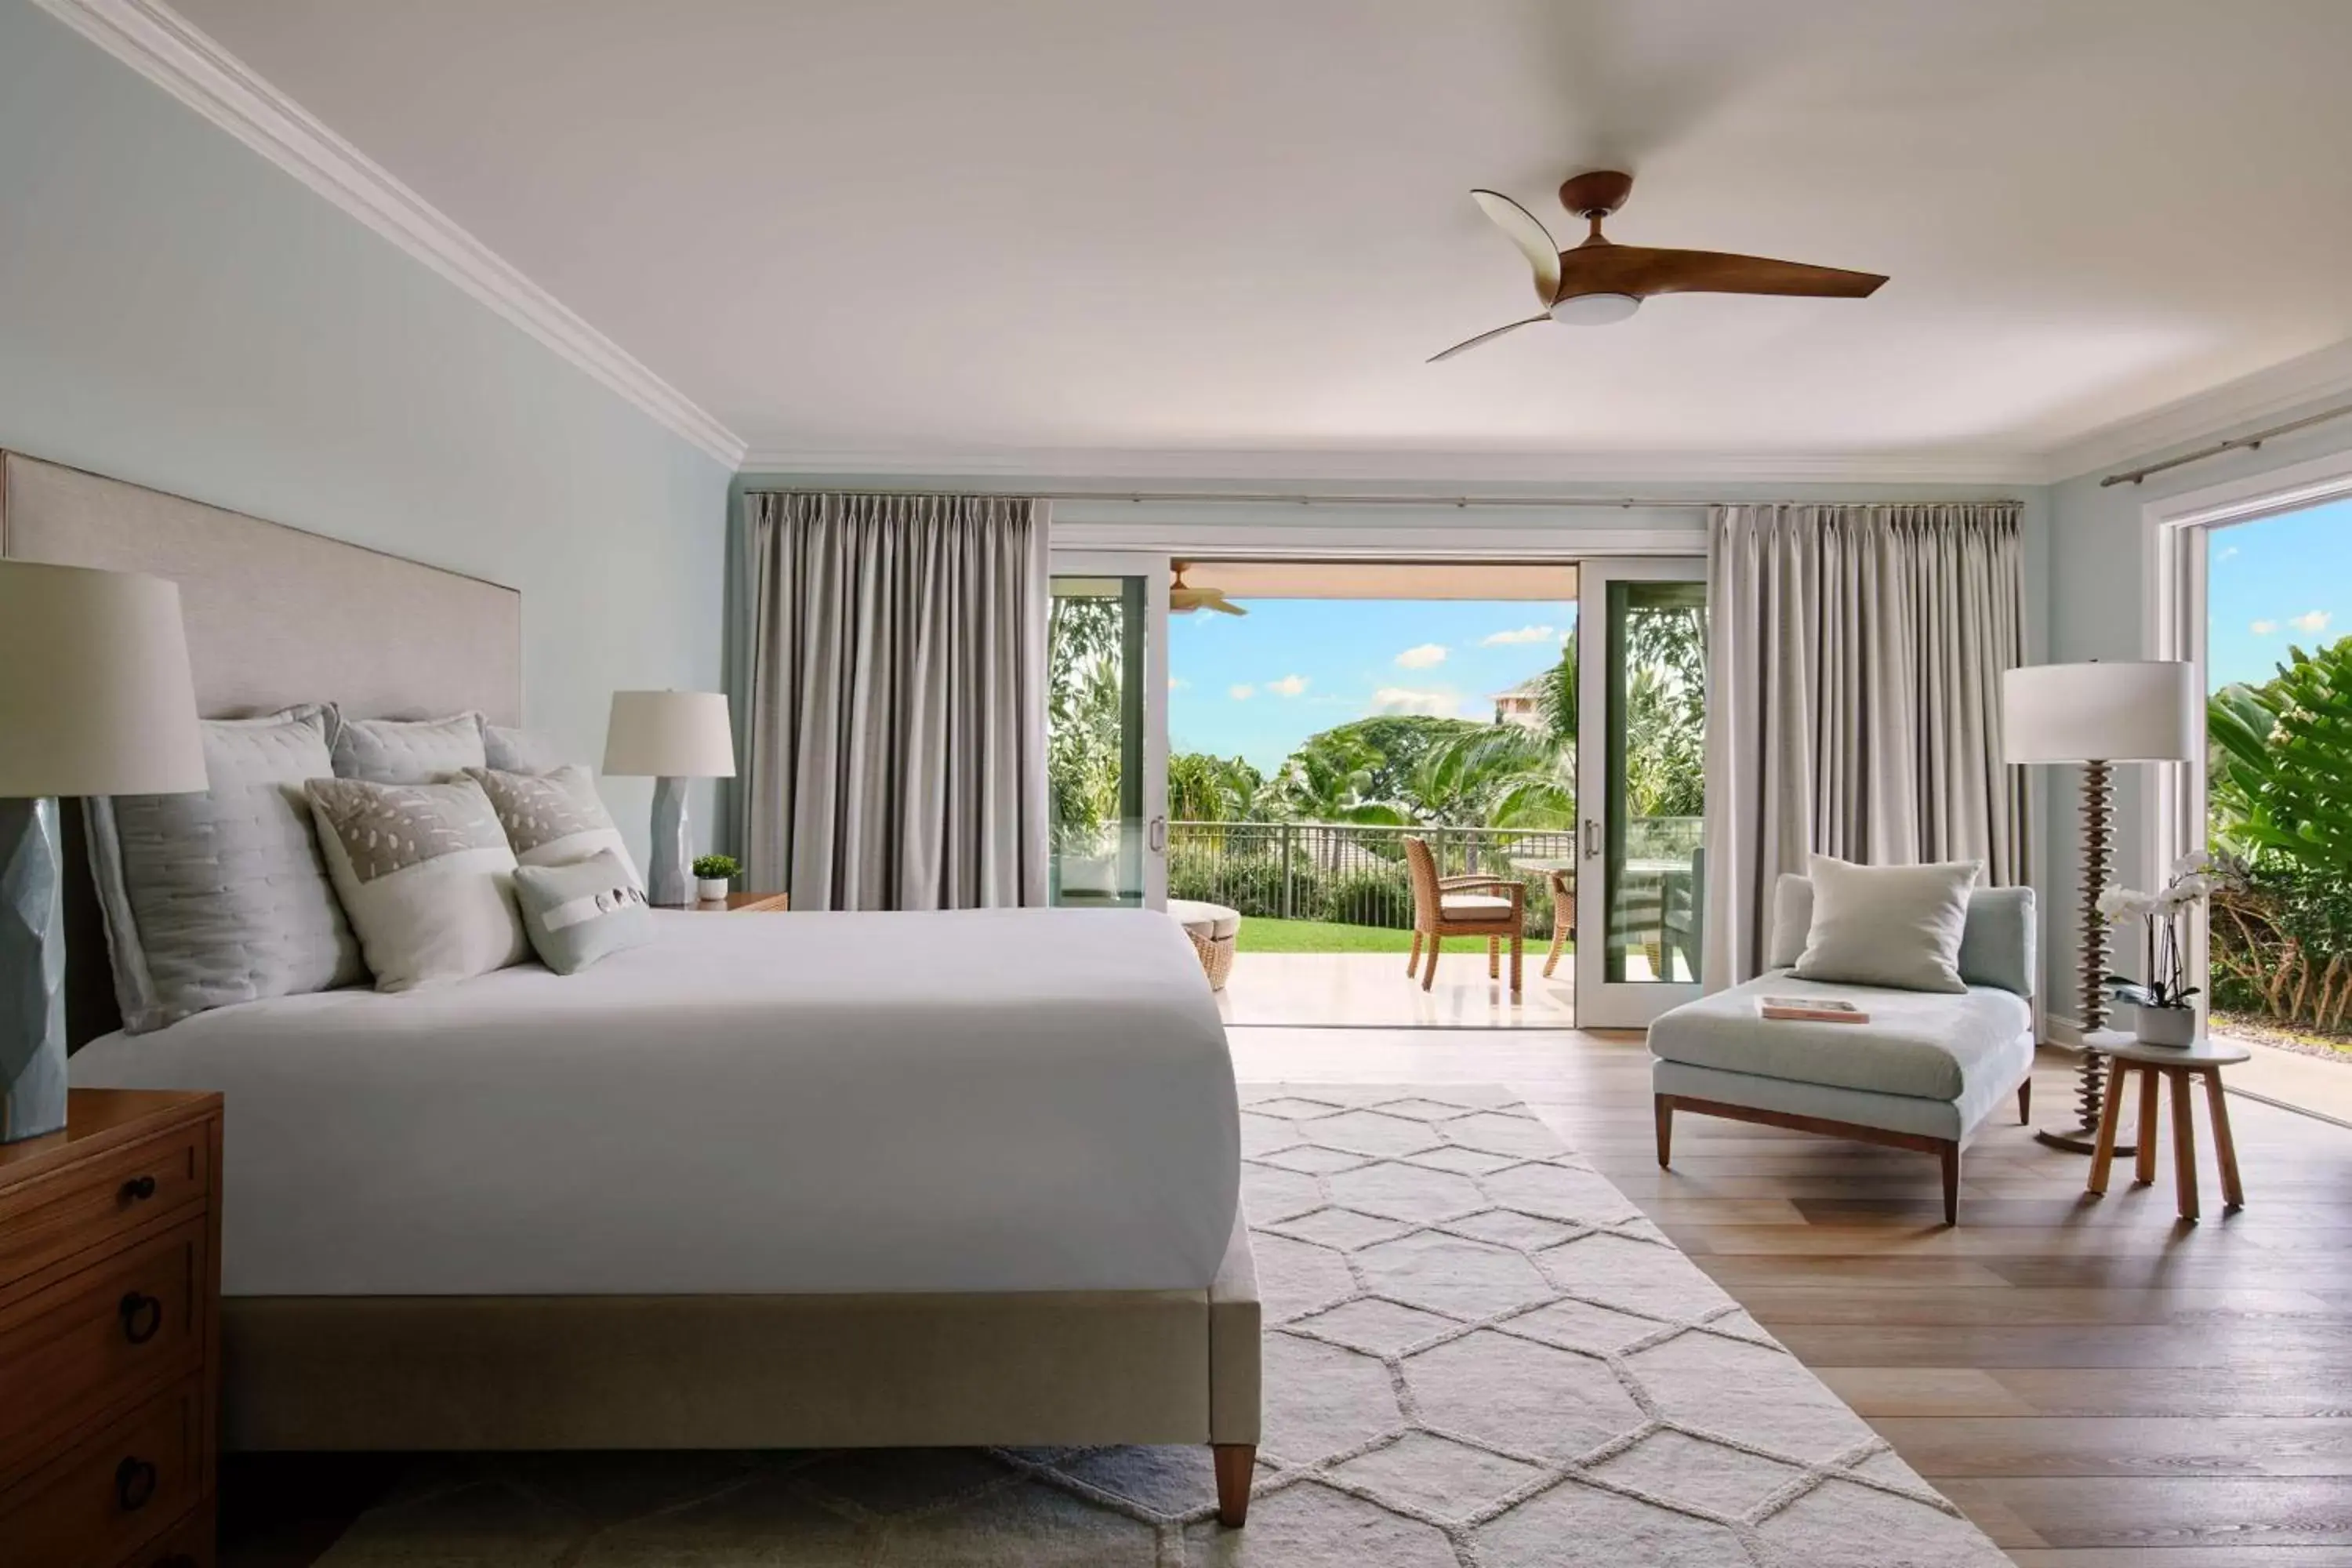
(1594, 309)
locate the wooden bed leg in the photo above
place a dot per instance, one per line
(1949, 1153)
(2025, 1101)
(1236, 1463)
(1666, 1107)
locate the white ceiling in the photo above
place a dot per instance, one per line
(920, 230)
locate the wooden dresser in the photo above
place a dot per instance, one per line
(109, 1342)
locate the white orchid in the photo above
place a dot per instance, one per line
(2196, 863)
(2121, 904)
(2194, 877)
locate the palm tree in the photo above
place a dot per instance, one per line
(1202, 788)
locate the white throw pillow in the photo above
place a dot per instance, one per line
(425, 875)
(1896, 926)
(555, 818)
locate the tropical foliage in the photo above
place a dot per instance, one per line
(2280, 793)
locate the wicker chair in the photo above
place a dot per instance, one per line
(1563, 915)
(1491, 907)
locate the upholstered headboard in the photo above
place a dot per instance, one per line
(274, 616)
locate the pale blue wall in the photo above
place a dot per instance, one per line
(177, 311)
(2101, 565)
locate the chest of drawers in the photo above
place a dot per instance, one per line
(109, 1353)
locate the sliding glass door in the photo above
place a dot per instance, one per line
(1107, 730)
(1640, 788)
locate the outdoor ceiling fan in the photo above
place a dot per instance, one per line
(1183, 601)
(1601, 281)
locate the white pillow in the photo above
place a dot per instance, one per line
(555, 818)
(425, 875)
(1896, 926)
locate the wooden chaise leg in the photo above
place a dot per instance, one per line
(1949, 1155)
(1236, 1463)
(2025, 1101)
(1665, 1107)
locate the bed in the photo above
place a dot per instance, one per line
(775, 1181)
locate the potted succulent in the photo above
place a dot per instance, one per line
(713, 875)
(2165, 1016)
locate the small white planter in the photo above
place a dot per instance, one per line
(2174, 1027)
(711, 889)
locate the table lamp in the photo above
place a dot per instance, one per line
(2098, 714)
(95, 699)
(669, 737)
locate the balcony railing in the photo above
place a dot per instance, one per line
(1355, 875)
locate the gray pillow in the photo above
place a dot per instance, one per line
(514, 750)
(1996, 949)
(409, 751)
(554, 818)
(223, 897)
(575, 914)
(1896, 926)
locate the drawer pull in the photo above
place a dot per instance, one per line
(138, 1189)
(134, 1484)
(142, 1317)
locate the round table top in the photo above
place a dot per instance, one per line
(2205, 1052)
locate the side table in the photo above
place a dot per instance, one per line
(737, 904)
(2176, 1064)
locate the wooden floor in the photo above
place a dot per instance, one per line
(2095, 1382)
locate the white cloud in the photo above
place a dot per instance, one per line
(1523, 633)
(1422, 657)
(1239, 693)
(1404, 699)
(2311, 621)
(2226, 552)
(2263, 628)
(1177, 683)
(1289, 686)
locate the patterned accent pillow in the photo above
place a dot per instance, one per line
(223, 897)
(425, 875)
(554, 819)
(576, 914)
(409, 751)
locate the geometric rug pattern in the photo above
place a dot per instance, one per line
(1478, 1355)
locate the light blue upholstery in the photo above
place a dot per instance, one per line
(1926, 1044)
(1949, 1119)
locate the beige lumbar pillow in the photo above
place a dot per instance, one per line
(555, 818)
(1896, 926)
(425, 875)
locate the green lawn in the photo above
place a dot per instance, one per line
(1261, 935)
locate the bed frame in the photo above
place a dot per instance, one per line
(277, 617)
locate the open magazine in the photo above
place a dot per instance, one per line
(1812, 1009)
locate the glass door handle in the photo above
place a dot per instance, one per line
(1156, 836)
(1592, 840)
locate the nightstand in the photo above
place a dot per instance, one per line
(737, 904)
(110, 1340)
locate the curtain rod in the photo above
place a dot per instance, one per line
(1374, 498)
(2248, 443)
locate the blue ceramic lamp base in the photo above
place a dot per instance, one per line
(32, 971)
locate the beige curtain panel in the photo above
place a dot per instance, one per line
(895, 754)
(1854, 701)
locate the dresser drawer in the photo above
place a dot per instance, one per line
(191, 1543)
(100, 1338)
(93, 1202)
(112, 1495)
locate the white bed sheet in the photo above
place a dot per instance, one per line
(978, 1101)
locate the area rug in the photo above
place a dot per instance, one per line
(1478, 1355)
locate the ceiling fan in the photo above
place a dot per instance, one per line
(1601, 281)
(1183, 601)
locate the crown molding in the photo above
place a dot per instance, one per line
(1110, 468)
(2322, 374)
(170, 51)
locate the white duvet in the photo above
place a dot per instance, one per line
(980, 1100)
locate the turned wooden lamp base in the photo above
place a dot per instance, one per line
(2082, 1135)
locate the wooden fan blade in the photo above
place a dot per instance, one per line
(1534, 240)
(1484, 337)
(1641, 271)
(1222, 605)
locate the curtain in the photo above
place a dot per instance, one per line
(894, 747)
(1854, 699)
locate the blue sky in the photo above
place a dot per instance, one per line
(1255, 686)
(2279, 583)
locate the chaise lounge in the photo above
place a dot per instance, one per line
(1924, 1073)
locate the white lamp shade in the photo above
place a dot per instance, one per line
(2129, 710)
(95, 693)
(670, 735)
